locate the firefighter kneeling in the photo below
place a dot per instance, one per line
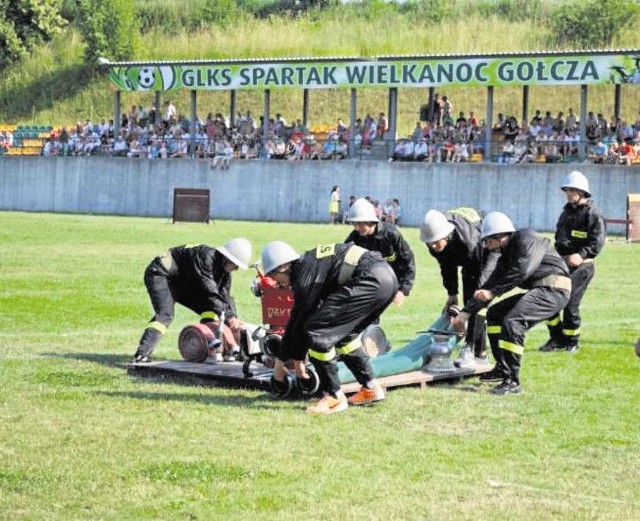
(339, 289)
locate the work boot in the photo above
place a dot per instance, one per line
(551, 345)
(465, 359)
(572, 347)
(495, 375)
(366, 396)
(506, 387)
(329, 404)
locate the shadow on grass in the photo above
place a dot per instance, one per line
(262, 401)
(110, 360)
(48, 90)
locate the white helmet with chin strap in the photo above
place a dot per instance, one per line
(577, 181)
(276, 254)
(238, 251)
(496, 223)
(435, 227)
(362, 211)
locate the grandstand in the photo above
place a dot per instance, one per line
(27, 139)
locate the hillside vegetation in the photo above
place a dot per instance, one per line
(55, 84)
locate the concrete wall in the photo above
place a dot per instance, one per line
(298, 191)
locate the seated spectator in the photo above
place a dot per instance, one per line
(552, 150)
(524, 151)
(460, 152)
(613, 156)
(625, 153)
(507, 153)
(120, 147)
(599, 152)
(421, 150)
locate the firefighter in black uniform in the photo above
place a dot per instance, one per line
(453, 239)
(527, 261)
(385, 238)
(580, 236)
(199, 278)
(339, 289)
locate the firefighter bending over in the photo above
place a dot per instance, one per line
(339, 289)
(527, 261)
(199, 278)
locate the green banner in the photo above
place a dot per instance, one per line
(476, 72)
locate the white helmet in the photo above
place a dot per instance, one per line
(577, 181)
(238, 251)
(276, 254)
(496, 223)
(435, 227)
(362, 211)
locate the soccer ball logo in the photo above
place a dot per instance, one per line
(146, 78)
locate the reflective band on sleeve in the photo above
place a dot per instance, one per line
(392, 257)
(158, 326)
(494, 330)
(553, 321)
(210, 315)
(351, 346)
(350, 262)
(578, 234)
(508, 346)
(323, 357)
(571, 332)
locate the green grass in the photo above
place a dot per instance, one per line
(80, 439)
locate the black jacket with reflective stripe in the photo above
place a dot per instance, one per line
(464, 249)
(200, 268)
(313, 277)
(580, 229)
(388, 240)
(526, 258)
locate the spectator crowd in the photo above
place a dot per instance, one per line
(440, 136)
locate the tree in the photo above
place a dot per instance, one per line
(109, 28)
(593, 24)
(25, 24)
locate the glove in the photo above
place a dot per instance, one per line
(255, 288)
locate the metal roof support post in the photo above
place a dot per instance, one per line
(192, 126)
(233, 107)
(117, 117)
(488, 122)
(582, 149)
(525, 105)
(432, 91)
(305, 107)
(158, 102)
(617, 96)
(393, 118)
(352, 123)
(265, 120)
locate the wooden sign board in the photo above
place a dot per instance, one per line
(191, 205)
(633, 217)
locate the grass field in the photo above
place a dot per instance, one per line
(80, 439)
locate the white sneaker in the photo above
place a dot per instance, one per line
(482, 360)
(466, 359)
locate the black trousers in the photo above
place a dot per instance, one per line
(509, 319)
(565, 326)
(345, 313)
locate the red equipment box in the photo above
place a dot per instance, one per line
(276, 306)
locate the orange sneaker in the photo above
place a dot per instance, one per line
(328, 405)
(365, 395)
